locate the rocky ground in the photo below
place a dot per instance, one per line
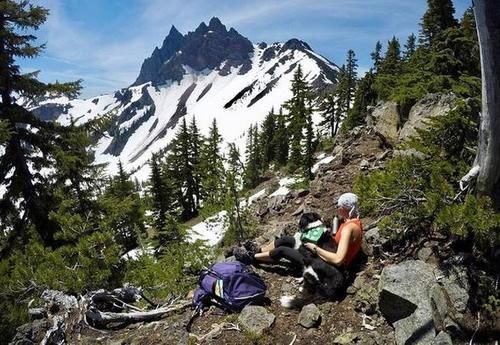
(417, 298)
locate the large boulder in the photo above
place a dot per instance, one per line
(256, 319)
(428, 107)
(404, 301)
(384, 117)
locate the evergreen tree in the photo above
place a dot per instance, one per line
(4, 133)
(31, 142)
(468, 24)
(351, 75)
(171, 232)
(257, 150)
(328, 107)
(195, 141)
(252, 170)
(181, 167)
(124, 210)
(212, 165)
(161, 193)
(340, 98)
(376, 55)
(234, 222)
(280, 141)
(437, 18)
(365, 96)
(52, 233)
(410, 47)
(392, 60)
(309, 146)
(298, 108)
(267, 139)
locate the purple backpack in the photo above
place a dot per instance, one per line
(229, 285)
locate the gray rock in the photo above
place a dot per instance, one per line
(261, 208)
(385, 118)
(366, 296)
(404, 301)
(424, 253)
(31, 333)
(364, 165)
(346, 338)
(276, 203)
(310, 316)
(59, 301)
(373, 236)
(256, 319)
(451, 326)
(442, 338)
(409, 153)
(231, 258)
(456, 284)
(440, 306)
(373, 241)
(430, 106)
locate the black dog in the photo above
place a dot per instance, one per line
(322, 281)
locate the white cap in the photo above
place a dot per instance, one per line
(349, 201)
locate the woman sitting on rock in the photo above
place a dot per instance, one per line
(347, 239)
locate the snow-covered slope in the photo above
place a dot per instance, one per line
(238, 91)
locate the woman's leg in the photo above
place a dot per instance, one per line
(292, 255)
(283, 241)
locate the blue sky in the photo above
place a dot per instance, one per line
(104, 42)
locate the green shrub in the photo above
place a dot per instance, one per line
(326, 144)
(92, 263)
(474, 217)
(174, 272)
(416, 194)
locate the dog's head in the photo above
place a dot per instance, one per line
(308, 218)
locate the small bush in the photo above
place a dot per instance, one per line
(174, 272)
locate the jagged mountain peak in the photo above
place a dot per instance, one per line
(216, 25)
(202, 28)
(295, 44)
(208, 47)
(173, 32)
(208, 73)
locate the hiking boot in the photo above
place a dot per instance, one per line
(252, 247)
(243, 256)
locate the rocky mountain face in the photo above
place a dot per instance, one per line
(208, 47)
(208, 73)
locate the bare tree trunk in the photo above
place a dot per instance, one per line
(487, 13)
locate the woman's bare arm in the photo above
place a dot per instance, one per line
(338, 257)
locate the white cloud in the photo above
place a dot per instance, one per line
(113, 61)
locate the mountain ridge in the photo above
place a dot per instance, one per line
(208, 73)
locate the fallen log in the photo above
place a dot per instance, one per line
(100, 319)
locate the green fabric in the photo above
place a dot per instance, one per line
(313, 235)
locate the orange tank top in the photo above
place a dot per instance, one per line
(355, 246)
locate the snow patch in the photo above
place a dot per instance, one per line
(211, 230)
(256, 196)
(134, 254)
(284, 184)
(325, 160)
